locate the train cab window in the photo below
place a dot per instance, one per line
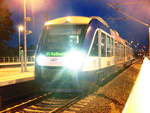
(108, 46)
(94, 50)
(103, 45)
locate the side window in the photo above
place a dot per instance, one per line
(119, 47)
(112, 47)
(122, 51)
(128, 53)
(94, 50)
(108, 46)
(116, 49)
(103, 45)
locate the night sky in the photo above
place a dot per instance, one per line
(38, 9)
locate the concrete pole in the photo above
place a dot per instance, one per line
(19, 44)
(149, 41)
(25, 38)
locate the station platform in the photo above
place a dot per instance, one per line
(13, 75)
(13, 63)
(139, 98)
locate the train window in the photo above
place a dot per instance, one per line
(94, 50)
(123, 54)
(62, 37)
(103, 45)
(116, 49)
(112, 47)
(119, 46)
(121, 51)
(108, 46)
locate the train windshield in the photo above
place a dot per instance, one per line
(63, 37)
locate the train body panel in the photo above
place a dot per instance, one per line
(75, 52)
(106, 62)
(91, 64)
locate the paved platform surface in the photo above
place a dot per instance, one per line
(14, 75)
(138, 101)
(13, 63)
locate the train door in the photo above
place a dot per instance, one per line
(116, 52)
(93, 56)
(99, 48)
(103, 50)
(113, 51)
(106, 50)
(124, 54)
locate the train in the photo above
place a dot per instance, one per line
(76, 52)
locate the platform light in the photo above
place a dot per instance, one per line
(73, 59)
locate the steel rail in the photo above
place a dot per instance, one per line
(26, 103)
(67, 105)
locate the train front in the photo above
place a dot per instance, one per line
(60, 57)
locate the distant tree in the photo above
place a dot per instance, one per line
(6, 30)
(6, 23)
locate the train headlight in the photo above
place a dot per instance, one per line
(41, 59)
(73, 59)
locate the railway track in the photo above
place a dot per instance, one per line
(46, 103)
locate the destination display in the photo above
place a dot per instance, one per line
(55, 54)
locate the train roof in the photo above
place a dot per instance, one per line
(75, 20)
(84, 20)
(117, 37)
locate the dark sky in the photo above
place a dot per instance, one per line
(37, 9)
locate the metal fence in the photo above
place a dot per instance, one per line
(15, 59)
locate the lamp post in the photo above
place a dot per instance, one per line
(149, 41)
(20, 28)
(26, 19)
(25, 38)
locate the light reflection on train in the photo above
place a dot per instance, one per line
(77, 52)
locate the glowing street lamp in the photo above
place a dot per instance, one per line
(20, 29)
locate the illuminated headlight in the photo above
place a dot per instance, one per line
(41, 59)
(73, 60)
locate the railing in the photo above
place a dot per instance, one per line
(15, 59)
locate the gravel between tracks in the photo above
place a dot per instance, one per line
(111, 98)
